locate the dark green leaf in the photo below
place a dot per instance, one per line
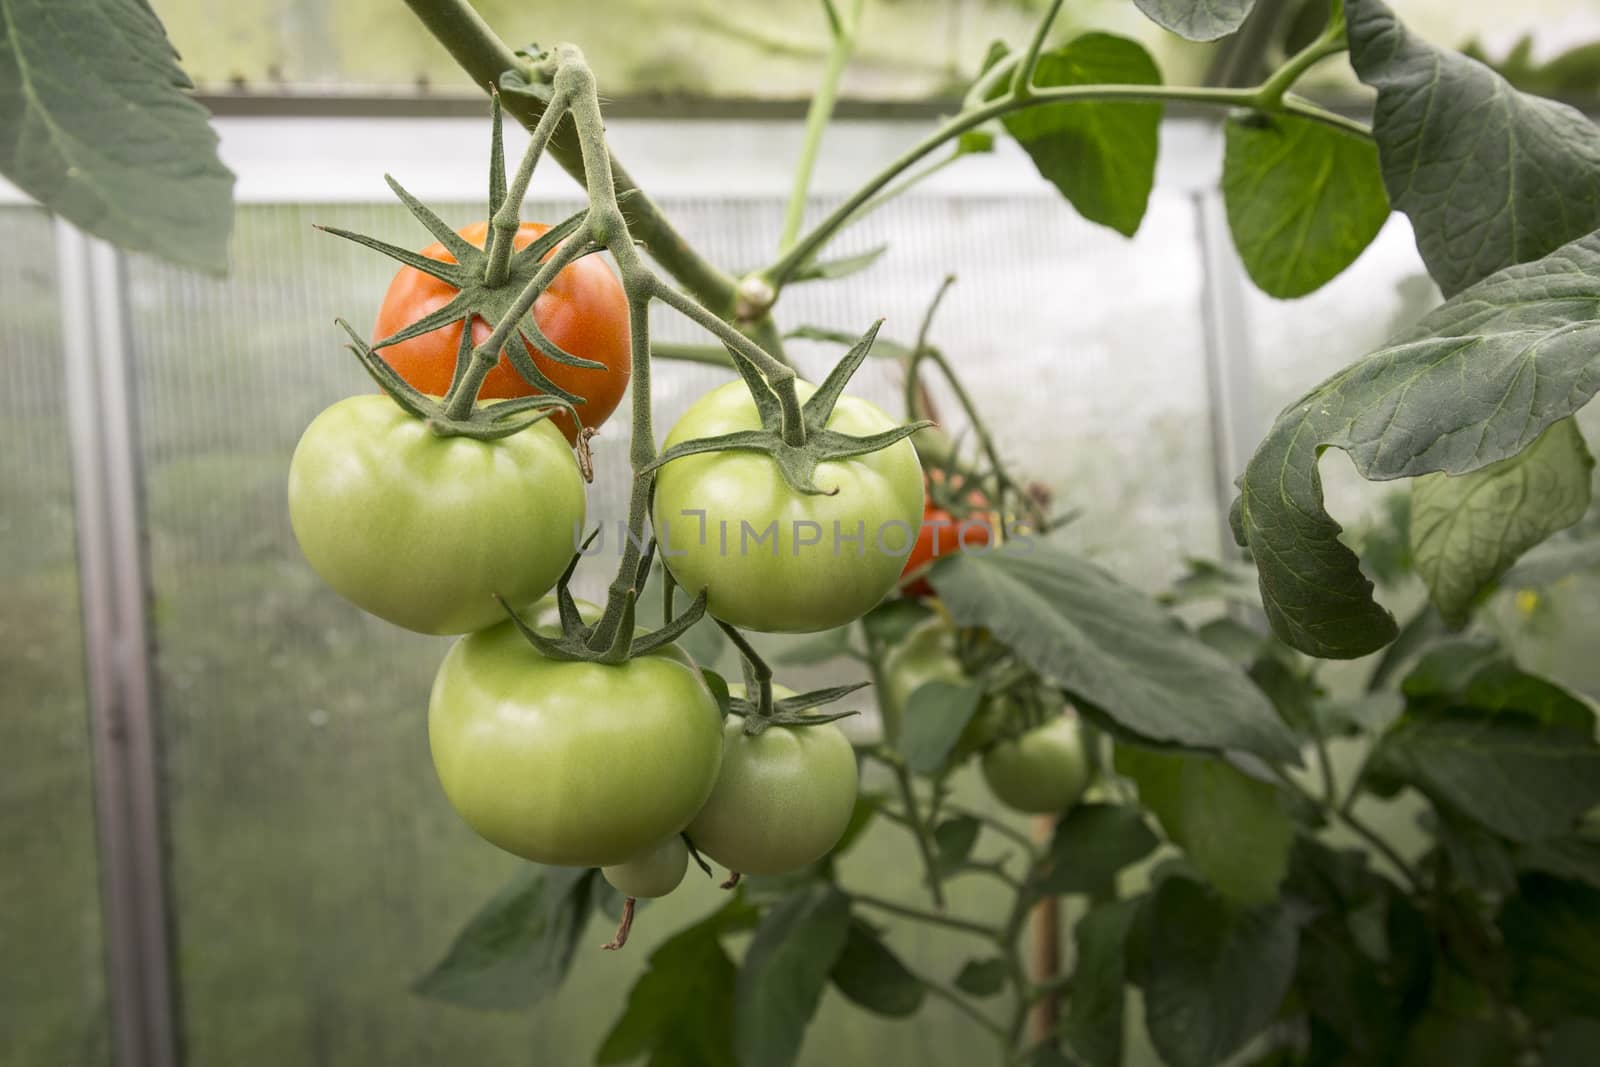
(1100, 154)
(1479, 859)
(1093, 1026)
(1489, 176)
(872, 976)
(784, 970)
(1553, 931)
(1576, 858)
(934, 718)
(982, 978)
(1233, 828)
(891, 621)
(96, 124)
(1466, 531)
(1198, 20)
(953, 840)
(1214, 974)
(681, 1010)
(1519, 777)
(519, 946)
(1092, 843)
(1473, 382)
(834, 269)
(1476, 673)
(1303, 200)
(1113, 647)
(719, 689)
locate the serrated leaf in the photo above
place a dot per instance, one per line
(934, 717)
(1100, 154)
(519, 946)
(681, 1010)
(1093, 1026)
(872, 976)
(1553, 931)
(785, 968)
(1214, 973)
(1113, 647)
(1303, 200)
(1233, 828)
(1197, 20)
(1489, 176)
(982, 978)
(1475, 381)
(1519, 777)
(1092, 842)
(104, 132)
(1466, 531)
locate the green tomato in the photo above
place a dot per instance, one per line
(782, 800)
(422, 530)
(774, 559)
(927, 654)
(1042, 772)
(572, 763)
(655, 872)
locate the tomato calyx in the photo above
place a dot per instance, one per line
(797, 454)
(790, 710)
(580, 641)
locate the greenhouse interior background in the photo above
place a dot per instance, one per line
(308, 867)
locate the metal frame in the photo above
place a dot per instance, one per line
(117, 650)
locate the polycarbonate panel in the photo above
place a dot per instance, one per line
(52, 987)
(316, 867)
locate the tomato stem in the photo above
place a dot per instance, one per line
(507, 218)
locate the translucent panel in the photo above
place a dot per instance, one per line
(52, 988)
(316, 868)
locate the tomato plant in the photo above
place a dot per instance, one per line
(584, 764)
(583, 311)
(768, 556)
(423, 530)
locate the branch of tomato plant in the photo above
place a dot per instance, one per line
(1022, 78)
(843, 29)
(1330, 41)
(779, 272)
(486, 58)
(935, 918)
(1356, 825)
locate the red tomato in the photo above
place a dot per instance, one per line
(584, 312)
(942, 535)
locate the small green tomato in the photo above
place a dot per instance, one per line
(654, 872)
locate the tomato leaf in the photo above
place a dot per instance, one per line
(1100, 154)
(1092, 843)
(1093, 1026)
(1576, 858)
(1478, 674)
(1466, 531)
(1553, 930)
(934, 718)
(1214, 973)
(105, 133)
(1489, 176)
(1197, 20)
(1519, 777)
(953, 841)
(681, 1009)
(1303, 200)
(1475, 381)
(519, 946)
(834, 269)
(982, 978)
(1233, 828)
(1113, 647)
(871, 975)
(786, 966)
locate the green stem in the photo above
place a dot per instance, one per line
(1269, 95)
(1022, 79)
(817, 116)
(484, 57)
(935, 918)
(1000, 827)
(507, 219)
(756, 671)
(957, 1001)
(919, 830)
(715, 355)
(1357, 825)
(809, 245)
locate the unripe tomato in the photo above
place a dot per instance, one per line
(774, 559)
(1042, 772)
(782, 799)
(568, 762)
(584, 312)
(926, 654)
(655, 872)
(423, 530)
